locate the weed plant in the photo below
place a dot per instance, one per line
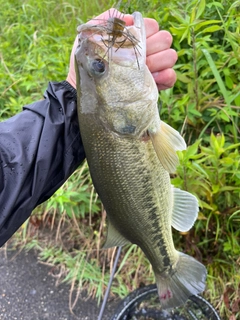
(36, 38)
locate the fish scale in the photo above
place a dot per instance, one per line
(117, 181)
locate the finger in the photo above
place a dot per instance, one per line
(161, 60)
(165, 79)
(151, 26)
(159, 41)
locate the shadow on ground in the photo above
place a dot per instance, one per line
(29, 292)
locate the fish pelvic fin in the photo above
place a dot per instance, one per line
(114, 238)
(188, 278)
(185, 210)
(166, 141)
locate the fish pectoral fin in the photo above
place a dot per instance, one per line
(114, 238)
(166, 141)
(185, 210)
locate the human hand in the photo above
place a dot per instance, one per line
(160, 57)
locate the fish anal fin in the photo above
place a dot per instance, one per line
(114, 238)
(166, 141)
(185, 210)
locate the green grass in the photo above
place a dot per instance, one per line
(36, 38)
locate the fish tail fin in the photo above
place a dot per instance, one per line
(188, 278)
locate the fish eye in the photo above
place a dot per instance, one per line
(98, 66)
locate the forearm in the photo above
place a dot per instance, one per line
(39, 149)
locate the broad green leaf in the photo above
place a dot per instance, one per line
(204, 204)
(229, 188)
(229, 82)
(200, 8)
(200, 169)
(192, 150)
(183, 78)
(204, 23)
(215, 4)
(195, 112)
(237, 100)
(177, 30)
(224, 116)
(215, 188)
(179, 18)
(233, 146)
(185, 34)
(206, 151)
(211, 29)
(227, 161)
(233, 62)
(193, 15)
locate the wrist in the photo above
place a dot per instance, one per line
(71, 81)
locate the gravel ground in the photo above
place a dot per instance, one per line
(28, 292)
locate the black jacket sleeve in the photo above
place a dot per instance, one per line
(39, 149)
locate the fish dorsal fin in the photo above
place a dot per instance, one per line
(185, 210)
(166, 141)
(114, 238)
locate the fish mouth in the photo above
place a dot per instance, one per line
(116, 42)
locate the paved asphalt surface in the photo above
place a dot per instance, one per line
(28, 292)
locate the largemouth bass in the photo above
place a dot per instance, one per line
(130, 153)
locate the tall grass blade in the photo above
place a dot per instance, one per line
(217, 76)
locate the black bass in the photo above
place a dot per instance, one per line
(130, 153)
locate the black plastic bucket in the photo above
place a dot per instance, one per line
(143, 304)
